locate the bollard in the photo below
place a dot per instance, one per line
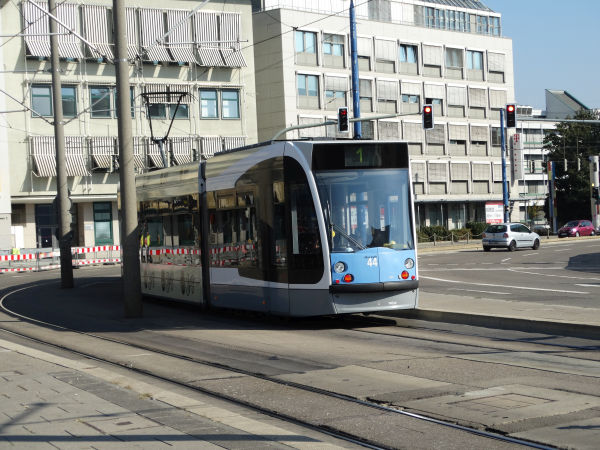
(434, 240)
(452, 238)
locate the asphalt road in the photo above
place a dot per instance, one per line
(561, 273)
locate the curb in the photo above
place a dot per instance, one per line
(578, 330)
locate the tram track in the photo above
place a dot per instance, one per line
(292, 389)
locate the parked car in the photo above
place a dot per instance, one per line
(509, 236)
(577, 228)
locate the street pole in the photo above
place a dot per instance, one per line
(355, 82)
(504, 180)
(595, 182)
(62, 190)
(131, 280)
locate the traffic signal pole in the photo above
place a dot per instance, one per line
(355, 82)
(504, 180)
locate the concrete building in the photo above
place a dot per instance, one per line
(531, 184)
(450, 54)
(208, 57)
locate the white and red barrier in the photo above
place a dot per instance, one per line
(90, 257)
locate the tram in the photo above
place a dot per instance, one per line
(291, 228)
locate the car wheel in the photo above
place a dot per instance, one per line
(536, 244)
(593, 233)
(577, 234)
(486, 248)
(512, 246)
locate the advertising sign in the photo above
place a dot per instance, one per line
(494, 212)
(516, 160)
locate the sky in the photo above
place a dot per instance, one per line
(555, 46)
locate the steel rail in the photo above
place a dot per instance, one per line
(299, 386)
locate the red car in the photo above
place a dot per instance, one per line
(577, 228)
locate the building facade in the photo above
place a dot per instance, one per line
(410, 53)
(201, 75)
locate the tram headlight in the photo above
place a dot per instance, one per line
(339, 267)
(409, 263)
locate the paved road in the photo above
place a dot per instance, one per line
(562, 273)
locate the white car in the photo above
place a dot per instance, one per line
(509, 236)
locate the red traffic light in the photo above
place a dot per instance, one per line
(427, 117)
(511, 116)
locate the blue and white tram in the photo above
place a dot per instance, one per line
(293, 228)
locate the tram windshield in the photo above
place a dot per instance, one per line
(366, 208)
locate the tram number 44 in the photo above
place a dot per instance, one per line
(372, 261)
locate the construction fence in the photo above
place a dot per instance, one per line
(35, 260)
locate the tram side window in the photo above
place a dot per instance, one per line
(264, 221)
(306, 256)
(232, 228)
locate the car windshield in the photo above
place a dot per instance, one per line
(496, 229)
(572, 223)
(367, 208)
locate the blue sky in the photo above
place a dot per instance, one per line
(555, 46)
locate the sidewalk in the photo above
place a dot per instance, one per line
(53, 402)
(505, 314)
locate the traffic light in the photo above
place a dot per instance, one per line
(343, 119)
(596, 192)
(427, 117)
(511, 116)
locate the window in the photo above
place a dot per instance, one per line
(308, 91)
(157, 110)
(333, 44)
(454, 58)
(474, 60)
(306, 48)
(496, 136)
(306, 42)
(410, 103)
(366, 96)
(482, 24)
(41, 101)
(100, 101)
(103, 233)
(181, 112)
(103, 101)
(335, 99)
(408, 53)
(495, 26)
(230, 104)
(208, 104)
(69, 101)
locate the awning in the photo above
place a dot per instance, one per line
(139, 144)
(36, 30)
(102, 149)
(210, 57)
(206, 25)
(230, 34)
(152, 25)
(75, 156)
(69, 46)
(181, 148)
(180, 40)
(43, 153)
(95, 21)
(231, 142)
(233, 58)
(154, 156)
(211, 145)
(133, 47)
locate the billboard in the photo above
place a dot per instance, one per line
(494, 212)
